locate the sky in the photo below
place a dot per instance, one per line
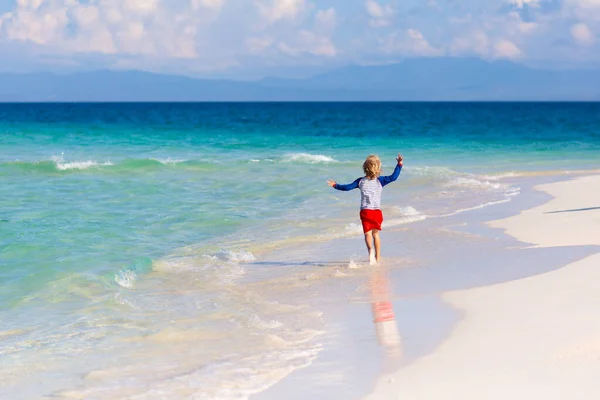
(247, 39)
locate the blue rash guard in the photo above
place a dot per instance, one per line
(370, 189)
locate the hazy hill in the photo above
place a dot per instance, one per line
(414, 79)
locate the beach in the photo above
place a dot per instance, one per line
(537, 337)
(195, 251)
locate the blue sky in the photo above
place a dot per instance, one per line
(252, 38)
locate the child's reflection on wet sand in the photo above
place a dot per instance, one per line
(386, 328)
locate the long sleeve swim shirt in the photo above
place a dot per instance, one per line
(370, 189)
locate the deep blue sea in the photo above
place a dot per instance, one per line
(128, 232)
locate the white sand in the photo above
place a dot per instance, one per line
(535, 338)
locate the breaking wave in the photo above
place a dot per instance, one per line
(309, 158)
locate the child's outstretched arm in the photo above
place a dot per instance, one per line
(344, 188)
(384, 180)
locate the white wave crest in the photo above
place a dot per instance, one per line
(403, 220)
(125, 279)
(338, 273)
(472, 183)
(81, 165)
(513, 191)
(225, 261)
(433, 172)
(168, 161)
(353, 228)
(500, 176)
(477, 207)
(61, 165)
(402, 215)
(309, 158)
(407, 211)
(233, 256)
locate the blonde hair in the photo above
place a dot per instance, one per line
(372, 167)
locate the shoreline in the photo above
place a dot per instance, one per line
(534, 337)
(196, 253)
(347, 306)
(418, 291)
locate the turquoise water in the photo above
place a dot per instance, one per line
(124, 223)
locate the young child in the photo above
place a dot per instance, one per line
(371, 186)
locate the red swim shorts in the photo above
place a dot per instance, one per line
(371, 219)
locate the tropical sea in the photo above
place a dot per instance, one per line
(188, 250)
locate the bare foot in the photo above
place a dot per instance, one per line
(372, 260)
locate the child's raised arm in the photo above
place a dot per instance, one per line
(384, 180)
(344, 188)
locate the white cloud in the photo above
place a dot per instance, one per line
(32, 4)
(140, 6)
(192, 35)
(479, 43)
(259, 44)
(29, 22)
(325, 20)
(515, 23)
(375, 10)
(307, 42)
(420, 46)
(86, 16)
(135, 27)
(156, 32)
(522, 3)
(587, 11)
(475, 42)
(381, 16)
(527, 27)
(506, 49)
(112, 14)
(409, 43)
(582, 34)
(586, 3)
(275, 10)
(93, 35)
(210, 4)
(292, 39)
(317, 45)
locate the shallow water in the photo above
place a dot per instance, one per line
(157, 237)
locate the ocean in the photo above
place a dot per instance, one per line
(152, 250)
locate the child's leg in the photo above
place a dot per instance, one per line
(377, 242)
(368, 241)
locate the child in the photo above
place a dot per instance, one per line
(371, 186)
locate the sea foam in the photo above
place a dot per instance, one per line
(234, 256)
(169, 161)
(406, 211)
(308, 158)
(61, 165)
(125, 279)
(473, 183)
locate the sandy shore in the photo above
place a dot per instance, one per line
(534, 338)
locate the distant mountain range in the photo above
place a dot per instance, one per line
(427, 79)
